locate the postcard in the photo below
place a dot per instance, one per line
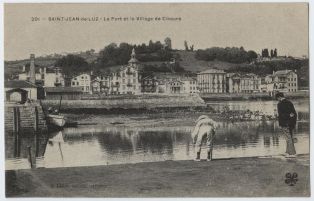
(156, 100)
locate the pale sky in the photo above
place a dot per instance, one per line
(254, 26)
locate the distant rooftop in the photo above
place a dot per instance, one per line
(282, 72)
(63, 89)
(210, 71)
(19, 84)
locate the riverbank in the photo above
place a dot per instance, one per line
(245, 177)
(251, 96)
(136, 103)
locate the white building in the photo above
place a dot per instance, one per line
(49, 77)
(283, 81)
(212, 81)
(83, 80)
(189, 85)
(127, 79)
(20, 91)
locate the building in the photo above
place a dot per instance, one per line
(233, 83)
(127, 79)
(212, 81)
(189, 85)
(283, 81)
(149, 84)
(250, 83)
(174, 87)
(105, 83)
(66, 93)
(96, 85)
(20, 91)
(53, 77)
(246, 83)
(83, 81)
(46, 77)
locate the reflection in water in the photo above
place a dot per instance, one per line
(24, 151)
(102, 145)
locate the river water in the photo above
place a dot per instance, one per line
(107, 145)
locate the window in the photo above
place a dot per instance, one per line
(77, 83)
(123, 87)
(73, 83)
(123, 81)
(82, 77)
(134, 80)
(87, 88)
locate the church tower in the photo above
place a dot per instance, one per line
(133, 61)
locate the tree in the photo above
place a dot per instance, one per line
(252, 55)
(275, 53)
(168, 43)
(232, 55)
(192, 48)
(71, 64)
(186, 45)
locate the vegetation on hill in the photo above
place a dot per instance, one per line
(72, 64)
(231, 55)
(119, 55)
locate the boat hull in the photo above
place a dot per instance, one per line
(56, 120)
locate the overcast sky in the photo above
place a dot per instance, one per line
(253, 26)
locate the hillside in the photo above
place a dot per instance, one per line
(190, 63)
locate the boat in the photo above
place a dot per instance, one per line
(56, 120)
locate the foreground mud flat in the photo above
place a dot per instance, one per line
(249, 177)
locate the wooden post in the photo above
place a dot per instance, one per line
(30, 155)
(14, 121)
(36, 120)
(36, 131)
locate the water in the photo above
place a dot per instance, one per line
(103, 145)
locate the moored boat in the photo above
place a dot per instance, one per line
(56, 120)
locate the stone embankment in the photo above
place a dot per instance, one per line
(26, 118)
(131, 102)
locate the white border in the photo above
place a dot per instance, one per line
(311, 57)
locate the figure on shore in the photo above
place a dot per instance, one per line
(205, 129)
(287, 118)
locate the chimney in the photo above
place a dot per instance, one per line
(32, 78)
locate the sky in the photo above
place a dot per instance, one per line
(254, 26)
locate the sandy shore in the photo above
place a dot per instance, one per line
(252, 177)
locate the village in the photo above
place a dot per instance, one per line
(49, 82)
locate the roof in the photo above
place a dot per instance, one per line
(189, 79)
(19, 84)
(209, 71)
(283, 72)
(63, 89)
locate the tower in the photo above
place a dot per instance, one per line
(133, 61)
(32, 77)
